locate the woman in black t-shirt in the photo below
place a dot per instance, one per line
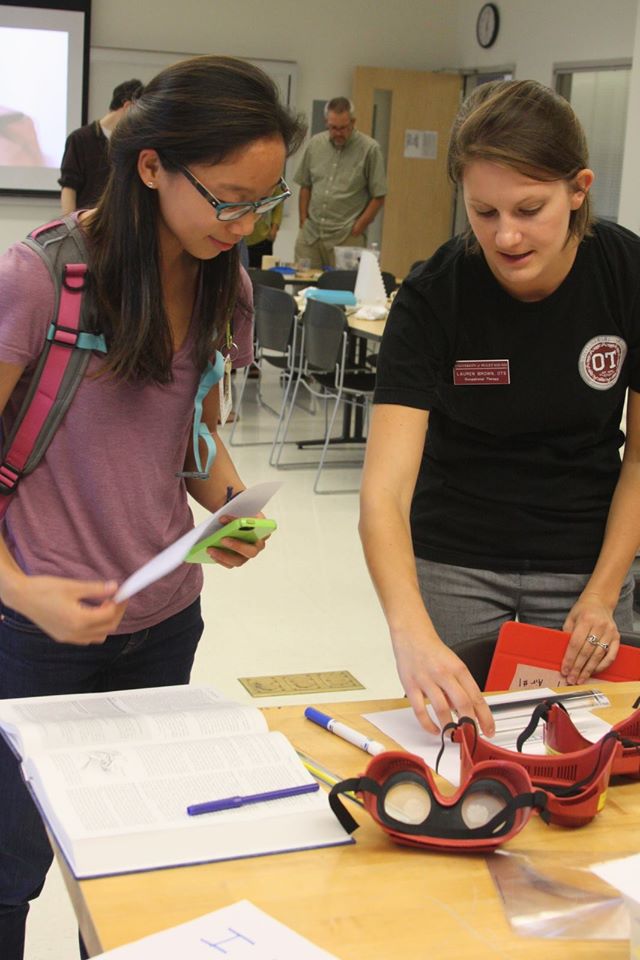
(492, 484)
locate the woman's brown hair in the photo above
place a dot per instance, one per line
(524, 125)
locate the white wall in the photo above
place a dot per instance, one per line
(629, 213)
(330, 38)
(536, 34)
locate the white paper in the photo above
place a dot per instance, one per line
(623, 874)
(246, 504)
(240, 931)
(403, 727)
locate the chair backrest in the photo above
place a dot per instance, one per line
(268, 278)
(275, 312)
(389, 282)
(630, 639)
(337, 280)
(324, 329)
(346, 280)
(476, 654)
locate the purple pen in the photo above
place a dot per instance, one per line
(231, 803)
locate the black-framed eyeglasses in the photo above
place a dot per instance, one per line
(233, 211)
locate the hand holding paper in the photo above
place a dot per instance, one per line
(247, 503)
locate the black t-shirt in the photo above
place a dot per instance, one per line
(516, 475)
(85, 164)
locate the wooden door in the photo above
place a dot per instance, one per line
(418, 211)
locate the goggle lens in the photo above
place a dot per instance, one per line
(408, 802)
(478, 808)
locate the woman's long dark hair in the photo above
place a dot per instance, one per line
(197, 111)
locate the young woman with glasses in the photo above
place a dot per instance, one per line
(196, 160)
(493, 486)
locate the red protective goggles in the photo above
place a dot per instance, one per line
(561, 736)
(493, 803)
(575, 783)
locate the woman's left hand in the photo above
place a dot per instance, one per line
(594, 639)
(236, 552)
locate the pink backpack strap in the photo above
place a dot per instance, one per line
(60, 352)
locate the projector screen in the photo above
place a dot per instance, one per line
(43, 90)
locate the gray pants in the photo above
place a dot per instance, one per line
(465, 603)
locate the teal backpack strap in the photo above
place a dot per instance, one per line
(210, 376)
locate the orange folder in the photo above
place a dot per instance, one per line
(522, 643)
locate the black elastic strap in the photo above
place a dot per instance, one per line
(353, 785)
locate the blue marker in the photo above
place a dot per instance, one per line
(345, 732)
(231, 803)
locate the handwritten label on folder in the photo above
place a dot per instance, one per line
(527, 677)
(240, 931)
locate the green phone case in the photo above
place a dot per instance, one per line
(248, 529)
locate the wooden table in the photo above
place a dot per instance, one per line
(369, 329)
(372, 900)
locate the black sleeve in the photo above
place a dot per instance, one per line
(412, 354)
(72, 173)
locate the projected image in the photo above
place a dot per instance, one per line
(41, 90)
(33, 102)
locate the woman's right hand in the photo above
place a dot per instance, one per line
(428, 668)
(81, 612)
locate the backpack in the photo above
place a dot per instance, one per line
(64, 358)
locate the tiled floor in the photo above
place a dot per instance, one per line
(305, 605)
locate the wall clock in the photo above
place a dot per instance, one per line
(487, 25)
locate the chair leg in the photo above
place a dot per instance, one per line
(327, 437)
(284, 419)
(243, 384)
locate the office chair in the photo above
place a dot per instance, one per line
(631, 640)
(266, 278)
(476, 654)
(346, 280)
(326, 373)
(276, 338)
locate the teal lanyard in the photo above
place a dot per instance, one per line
(211, 375)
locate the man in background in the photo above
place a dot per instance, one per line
(342, 187)
(260, 242)
(85, 164)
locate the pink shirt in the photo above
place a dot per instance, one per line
(105, 497)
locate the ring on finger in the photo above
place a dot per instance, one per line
(593, 640)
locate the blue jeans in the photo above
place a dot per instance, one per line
(32, 665)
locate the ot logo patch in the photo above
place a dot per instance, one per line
(601, 361)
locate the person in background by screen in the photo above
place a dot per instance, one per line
(85, 163)
(493, 485)
(342, 187)
(194, 161)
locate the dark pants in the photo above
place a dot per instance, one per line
(31, 665)
(257, 250)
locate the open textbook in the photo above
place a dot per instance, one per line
(113, 774)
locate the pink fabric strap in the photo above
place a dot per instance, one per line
(65, 337)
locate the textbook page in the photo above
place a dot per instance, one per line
(246, 504)
(156, 713)
(240, 931)
(121, 807)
